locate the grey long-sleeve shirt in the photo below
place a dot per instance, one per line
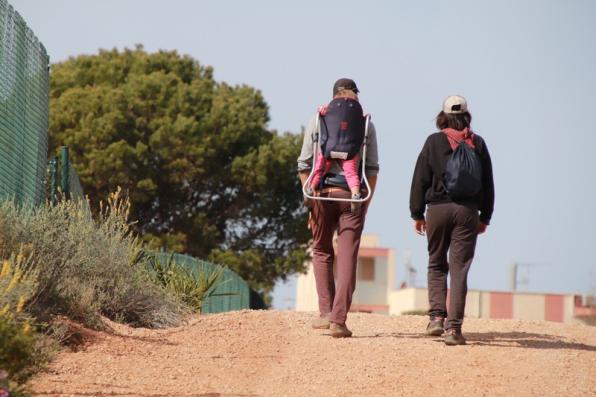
(306, 155)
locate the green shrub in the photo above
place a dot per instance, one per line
(18, 283)
(191, 286)
(17, 352)
(22, 351)
(84, 265)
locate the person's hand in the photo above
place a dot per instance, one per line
(323, 109)
(420, 226)
(482, 228)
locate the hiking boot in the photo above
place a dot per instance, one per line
(454, 337)
(321, 322)
(340, 330)
(435, 326)
(356, 207)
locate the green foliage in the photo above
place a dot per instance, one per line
(84, 265)
(18, 281)
(22, 351)
(17, 353)
(204, 174)
(191, 286)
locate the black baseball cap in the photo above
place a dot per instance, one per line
(345, 84)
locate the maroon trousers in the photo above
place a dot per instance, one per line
(335, 298)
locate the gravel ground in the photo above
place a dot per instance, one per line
(276, 353)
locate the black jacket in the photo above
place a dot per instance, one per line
(427, 182)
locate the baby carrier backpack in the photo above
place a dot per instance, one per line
(342, 129)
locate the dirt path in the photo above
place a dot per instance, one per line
(269, 353)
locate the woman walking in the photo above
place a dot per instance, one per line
(453, 177)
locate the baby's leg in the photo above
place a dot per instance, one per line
(321, 167)
(350, 168)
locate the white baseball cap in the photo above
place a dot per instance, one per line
(455, 104)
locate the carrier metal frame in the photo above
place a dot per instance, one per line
(317, 153)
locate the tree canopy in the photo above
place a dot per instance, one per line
(204, 174)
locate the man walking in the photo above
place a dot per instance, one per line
(329, 217)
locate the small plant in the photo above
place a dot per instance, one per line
(17, 352)
(18, 282)
(191, 286)
(21, 350)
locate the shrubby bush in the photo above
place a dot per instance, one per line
(85, 267)
(22, 351)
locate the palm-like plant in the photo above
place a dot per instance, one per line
(191, 285)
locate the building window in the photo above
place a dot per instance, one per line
(366, 269)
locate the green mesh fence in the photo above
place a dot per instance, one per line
(24, 87)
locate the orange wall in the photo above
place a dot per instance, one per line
(554, 308)
(501, 305)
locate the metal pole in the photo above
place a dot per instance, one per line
(53, 180)
(513, 277)
(64, 171)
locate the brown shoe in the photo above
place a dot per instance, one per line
(321, 322)
(453, 337)
(340, 331)
(435, 326)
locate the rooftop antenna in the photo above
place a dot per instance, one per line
(514, 278)
(410, 270)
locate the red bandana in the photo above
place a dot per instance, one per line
(455, 137)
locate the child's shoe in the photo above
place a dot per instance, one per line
(308, 201)
(356, 207)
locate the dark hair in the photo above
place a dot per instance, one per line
(456, 121)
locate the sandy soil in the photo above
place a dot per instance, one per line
(272, 353)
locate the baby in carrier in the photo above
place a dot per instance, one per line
(342, 135)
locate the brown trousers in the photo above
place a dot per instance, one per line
(335, 298)
(451, 228)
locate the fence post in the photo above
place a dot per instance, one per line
(53, 180)
(65, 172)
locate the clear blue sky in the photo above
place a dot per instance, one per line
(527, 68)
